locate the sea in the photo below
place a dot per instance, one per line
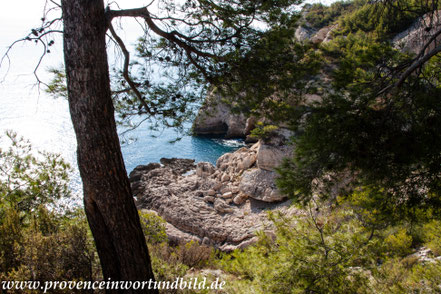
(28, 110)
(45, 122)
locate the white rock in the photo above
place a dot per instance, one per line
(222, 207)
(247, 161)
(216, 118)
(235, 189)
(227, 195)
(217, 186)
(239, 199)
(204, 169)
(260, 185)
(225, 178)
(269, 157)
(323, 35)
(225, 189)
(209, 199)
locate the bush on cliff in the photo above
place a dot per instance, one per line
(385, 141)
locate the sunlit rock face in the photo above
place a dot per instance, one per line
(415, 37)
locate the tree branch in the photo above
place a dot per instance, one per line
(432, 39)
(172, 37)
(417, 64)
(126, 69)
(419, 61)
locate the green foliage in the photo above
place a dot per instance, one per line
(200, 42)
(319, 15)
(166, 270)
(263, 131)
(388, 143)
(318, 253)
(269, 80)
(27, 179)
(191, 254)
(153, 227)
(399, 243)
(170, 261)
(425, 278)
(384, 19)
(38, 242)
(432, 236)
(407, 276)
(57, 86)
(64, 253)
(331, 250)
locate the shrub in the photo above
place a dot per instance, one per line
(29, 179)
(191, 254)
(432, 236)
(153, 227)
(38, 243)
(318, 253)
(399, 243)
(263, 131)
(319, 15)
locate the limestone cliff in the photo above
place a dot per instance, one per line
(216, 119)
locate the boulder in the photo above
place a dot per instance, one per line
(221, 206)
(137, 172)
(227, 195)
(225, 178)
(178, 165)
(209, 199)
(259, 184)
(223, 160)
(240, 199)
(198, 206)
(247, 161)
(204, 169)
(235, 189)
(304, 33)
(270, 157)
(323, 35)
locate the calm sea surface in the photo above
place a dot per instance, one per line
(45, 121)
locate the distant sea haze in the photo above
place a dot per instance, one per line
(45, 121)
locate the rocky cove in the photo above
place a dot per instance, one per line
(225, 205)
(221, 206)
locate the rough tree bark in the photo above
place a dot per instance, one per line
(108, 200)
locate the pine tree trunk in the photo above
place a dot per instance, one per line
(108, 200)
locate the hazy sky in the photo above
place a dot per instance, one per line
(19, 16)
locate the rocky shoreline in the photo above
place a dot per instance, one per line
(221, 206)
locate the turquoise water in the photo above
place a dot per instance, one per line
(147, 149)
(46, 123)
